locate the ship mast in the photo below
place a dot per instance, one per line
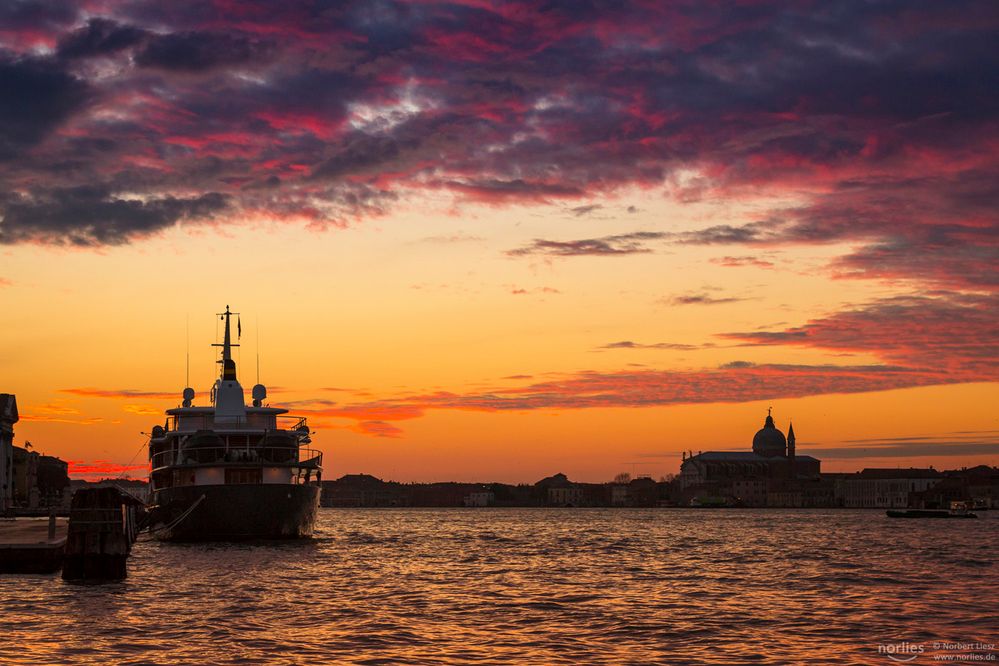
(229, 404)
(228, 365)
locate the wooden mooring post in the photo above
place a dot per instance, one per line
(102, 528)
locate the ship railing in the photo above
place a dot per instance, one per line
(253, 455)
(193, 422)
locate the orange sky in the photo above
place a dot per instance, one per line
(358, 327)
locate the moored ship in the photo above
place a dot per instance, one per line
(229, 471)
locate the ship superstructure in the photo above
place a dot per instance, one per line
(231, 471)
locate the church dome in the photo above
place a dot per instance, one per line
(769, 441)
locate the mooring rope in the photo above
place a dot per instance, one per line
(178, 519)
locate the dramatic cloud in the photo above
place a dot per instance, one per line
(93, 216)
(38, 95)
(878, 117)
(99, 37)
(197, 51)
(937, 229)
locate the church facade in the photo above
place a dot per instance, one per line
(772, 474)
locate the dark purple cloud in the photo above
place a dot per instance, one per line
(881, 118)
(199, 51)
(99, 37)
(86, 216)
(38, 95)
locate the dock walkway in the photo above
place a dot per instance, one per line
(25, 546)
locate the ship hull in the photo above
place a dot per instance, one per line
(235, 512)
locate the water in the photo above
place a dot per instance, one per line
(530, 586)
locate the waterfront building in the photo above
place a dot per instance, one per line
(24, 477)
(619, 494)
(771, 474)
(362, 490)
(480, 498)
(978, 486)
(53, 481)
(643, 491)
(570, 495)
(446, 493)
(557, 490)
(875, 488)
(982, 483)
(8, 417)
(38, 480)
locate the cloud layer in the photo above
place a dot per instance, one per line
(131, 117)
(952, 333)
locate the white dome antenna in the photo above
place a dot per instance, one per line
(188, 396)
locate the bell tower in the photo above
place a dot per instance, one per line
(793, 473)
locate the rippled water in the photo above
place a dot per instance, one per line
(530, 586)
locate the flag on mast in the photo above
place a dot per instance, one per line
(239, 328)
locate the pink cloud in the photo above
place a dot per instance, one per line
(98, 469)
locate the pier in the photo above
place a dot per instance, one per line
(103, 525)
(32, 545)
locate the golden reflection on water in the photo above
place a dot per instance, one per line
(428, 586)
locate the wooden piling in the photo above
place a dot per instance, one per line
(101, 533)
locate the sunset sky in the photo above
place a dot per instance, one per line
(495, 241)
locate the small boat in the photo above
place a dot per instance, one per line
(711, 502)
(957, 510)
